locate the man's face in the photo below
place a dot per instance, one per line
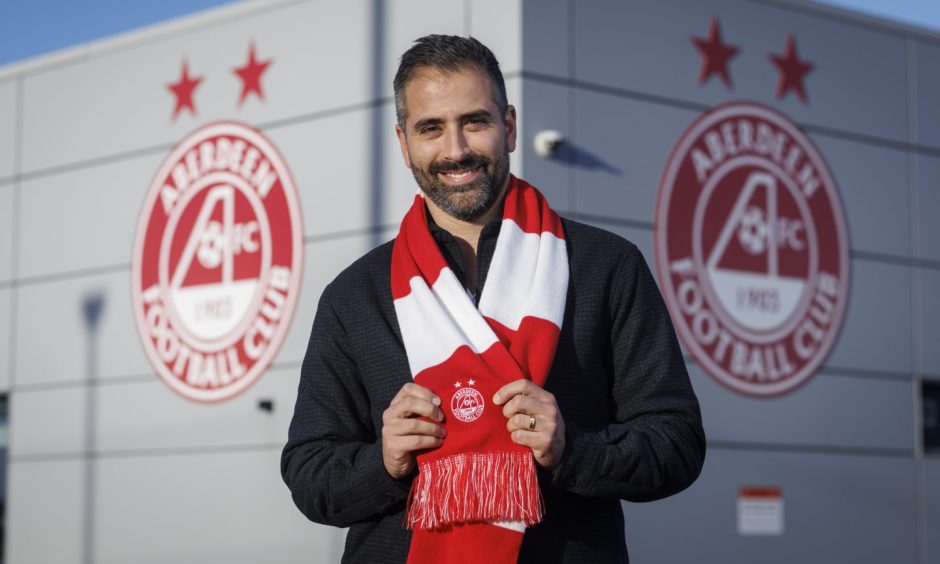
(455, 141)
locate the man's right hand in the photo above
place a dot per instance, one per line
(403, 433)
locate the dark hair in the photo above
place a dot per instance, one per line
(448, 53)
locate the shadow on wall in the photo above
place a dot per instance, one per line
(572, 155)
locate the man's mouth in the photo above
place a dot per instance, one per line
(461, 176)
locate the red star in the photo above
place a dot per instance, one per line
(183, 90)
(715, 54)
(791, 69)
(251, 75)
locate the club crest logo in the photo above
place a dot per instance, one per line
(217, 261)
(751, 249)
(467, 403)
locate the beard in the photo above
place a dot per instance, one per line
(466, 202)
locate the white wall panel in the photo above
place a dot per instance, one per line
(83, 219)
(498, 24)
(7, 128)
(125, 104)
(927, 77)
(930, 318)
(876, 331)
(45, 512)
(51, 337)
(928, 195)
(142, 415)
(6, 305)
(7, 236)
(407, 20)
(836, 509)
(230, 507)
(48, 421)
(872, 183)
(828, 410)
(856, 69)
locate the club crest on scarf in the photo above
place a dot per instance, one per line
(467, 404)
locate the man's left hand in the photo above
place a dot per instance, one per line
(534, 420)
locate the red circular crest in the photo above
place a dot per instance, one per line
(751, 249)
(217, 261)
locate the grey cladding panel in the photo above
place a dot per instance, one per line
(826, 411)
(932, 471)
(83, 219)
(545, 107)
(927, 76)
(836, 509)
(622, 147)
(7, 237)
(48, 421)
(545, 36)
(52, 343)
(144, 415)
(221, 507)
(45, 512)
(930, 292)
(7, 128)
(872, 183)
(876, 331)
(928, 195)
(119, 102)
(645, 46)
(6, 306)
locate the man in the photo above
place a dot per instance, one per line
(556, 345)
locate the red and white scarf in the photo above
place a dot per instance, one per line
(476, 493)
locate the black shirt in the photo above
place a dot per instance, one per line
(633, 426)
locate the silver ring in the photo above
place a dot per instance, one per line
(531, 422)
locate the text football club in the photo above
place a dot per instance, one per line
(751, 249)
(217, 261)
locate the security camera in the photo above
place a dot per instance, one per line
(547, 142)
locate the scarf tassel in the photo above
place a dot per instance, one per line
(475, 487)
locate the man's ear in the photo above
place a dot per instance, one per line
(509, 120)
(403, 142)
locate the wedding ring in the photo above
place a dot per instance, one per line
(531, 423)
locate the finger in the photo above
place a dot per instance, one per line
(404, 427)
(520, 387)
(411, 443)
(535, 441)
(410, 406)
(523, 404)
(414, 390)
(522, 422)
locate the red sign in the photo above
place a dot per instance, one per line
(217, 261)
(751, 249)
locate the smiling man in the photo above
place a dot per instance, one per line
(491, 383)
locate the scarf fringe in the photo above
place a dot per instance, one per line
(475, 486)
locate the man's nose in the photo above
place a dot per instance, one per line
(456, 147)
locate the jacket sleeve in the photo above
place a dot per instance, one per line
(332, 462)
(655, 444)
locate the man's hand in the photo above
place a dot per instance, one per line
(534, 420)
(403, 433)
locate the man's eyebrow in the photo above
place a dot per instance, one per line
(422, 123)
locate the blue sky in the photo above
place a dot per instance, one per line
(29, 28)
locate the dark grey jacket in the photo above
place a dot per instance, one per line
(634, 430)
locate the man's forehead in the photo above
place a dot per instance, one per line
(431, 89)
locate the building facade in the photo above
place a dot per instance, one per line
(105, 463)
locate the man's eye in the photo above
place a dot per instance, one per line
(430, 129)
